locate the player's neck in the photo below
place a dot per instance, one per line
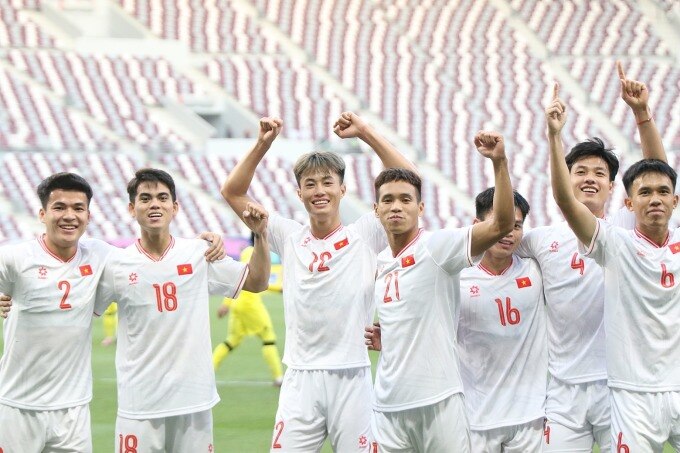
(656, 234)
(64, 253)
(322, 227)
(155, 243)
(496, 264)
(398, 242)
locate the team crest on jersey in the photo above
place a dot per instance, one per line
(184, 269)
(554, 246)
(132, 278)
(474, 291)
(340, 244)
(408, 261)
(363, 441)
(42, 272)
(675, 247)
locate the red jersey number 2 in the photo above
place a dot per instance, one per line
(325, 256)
(65, 286)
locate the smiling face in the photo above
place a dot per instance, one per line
(509, 243)
(590, 183)
(153, 207)
(652, 200)
(65, 216)
(398, 207)
(320, 192)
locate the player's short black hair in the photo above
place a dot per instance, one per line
(323, 161)
(150, 175)
(63, 181)
(644, 166)
(398, 174)
(594, 147)
(484, 203)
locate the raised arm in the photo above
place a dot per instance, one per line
(351, 125)
(487, 233)
(636, 95)
(235, 187)
(255, 217)
(579, 217)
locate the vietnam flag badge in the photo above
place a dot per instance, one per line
(340, 244)
(408, 261)
(675, 247)
(523, 282)
(184, 269)
(85, 270)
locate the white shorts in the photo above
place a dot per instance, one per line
(644, 421)
(180, 433)
(524, 438)
(439, 427)
(578, 415)
(315, 404)
(60, 430)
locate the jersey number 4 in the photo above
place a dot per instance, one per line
(166, 296)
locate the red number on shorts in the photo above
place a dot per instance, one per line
(510, 314)
(325, 256)
(66, 287)
(620, 446)
(279, 428)
(127, 444)
(388, 281)
(580, 265)
(167, 298)
(546, 432)
(667, 278)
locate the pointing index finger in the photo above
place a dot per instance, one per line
(619, 68)
(556, 91)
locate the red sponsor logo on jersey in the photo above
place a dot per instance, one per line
(363, 441)
(675, 248)
(523, 282)
(554, 246)
(85, 270)
(132, 278)
(340, 244)
(42, 272)
(474, 290)
(184, 269)
(408, 261)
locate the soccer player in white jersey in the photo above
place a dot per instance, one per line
(329, 272)
(419, 401)
(166, 382)
(642, 302)
(502, 342)
(45, 371)
(577, 404)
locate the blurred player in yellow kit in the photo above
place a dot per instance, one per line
(110, 324)
(249, 316)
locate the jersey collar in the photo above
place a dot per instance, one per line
(160, 258)
(43, 244)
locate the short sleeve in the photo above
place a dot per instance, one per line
(226, 277)
(105, 289)
(529, 245)
(7, 269)
(451, 249)
(371, 231)
(597, 249)
(279, 228)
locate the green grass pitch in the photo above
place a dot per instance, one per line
(243, 420)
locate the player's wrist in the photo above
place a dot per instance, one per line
(643, 115)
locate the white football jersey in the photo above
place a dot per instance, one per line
(46, 364)
(164, 355)
(642, 308)
(502, 344)
(327, 291)
(417, 294)
(574, 295)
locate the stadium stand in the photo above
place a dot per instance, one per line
(432, 72)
